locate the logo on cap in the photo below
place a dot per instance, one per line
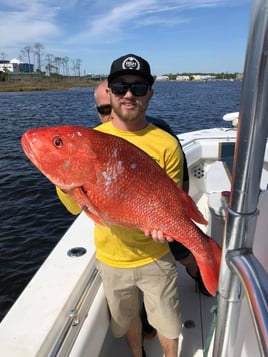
(131, 63)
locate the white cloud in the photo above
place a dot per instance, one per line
(66, 27)
(112, 21)
(23, 22)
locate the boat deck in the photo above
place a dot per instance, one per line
(197, 319)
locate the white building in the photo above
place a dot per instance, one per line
(10, 66)
(162, 78)
(15, 66)
(182, 78)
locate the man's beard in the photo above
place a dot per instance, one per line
(129, 116)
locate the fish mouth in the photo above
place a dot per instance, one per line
(25, 143)
(29, 143)
(26, 146)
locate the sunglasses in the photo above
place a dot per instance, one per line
(137, 89)
(104, 109)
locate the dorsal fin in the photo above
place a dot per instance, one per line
(192, 210)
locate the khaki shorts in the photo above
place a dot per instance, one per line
(158, 283)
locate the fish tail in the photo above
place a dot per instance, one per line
(210, 267)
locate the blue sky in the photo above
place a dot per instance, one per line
(173, 35)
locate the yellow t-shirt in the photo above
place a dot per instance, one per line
(123, 247)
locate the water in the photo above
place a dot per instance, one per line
(32, 218)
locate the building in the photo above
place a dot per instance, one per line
(162, 78)
(182, 78)
(15, 66)
(8, 66)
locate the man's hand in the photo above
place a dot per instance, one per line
(157, 236)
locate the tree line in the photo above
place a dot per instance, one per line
(47, 62)
(65, 66)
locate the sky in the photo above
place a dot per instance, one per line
(174, 36)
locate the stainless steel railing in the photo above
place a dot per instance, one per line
(74, 321)
(255, 283)
(242, 214)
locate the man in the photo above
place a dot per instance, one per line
(102, 98)
(104, 109)
(130, 262)
(181, 253)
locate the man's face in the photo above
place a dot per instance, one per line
(102, 98)
(126, 105)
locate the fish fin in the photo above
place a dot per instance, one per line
(80, 194)
(210, 267)
(96, 219)
(192, 210)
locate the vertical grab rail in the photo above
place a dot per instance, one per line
(248, 163)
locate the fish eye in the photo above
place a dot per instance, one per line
(57, 142)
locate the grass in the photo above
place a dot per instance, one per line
(20, 86)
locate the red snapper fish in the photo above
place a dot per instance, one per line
(116, 183)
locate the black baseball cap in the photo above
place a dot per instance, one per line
(130, 64)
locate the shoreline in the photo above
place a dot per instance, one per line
(57, 85)
(40, 86)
